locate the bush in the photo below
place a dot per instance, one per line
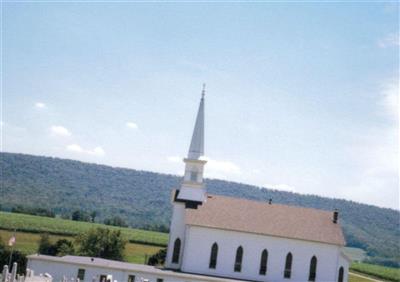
(158, 258)
(102, 242)
(64, 247)
(45, 246)
(17, 257)
(60, 248)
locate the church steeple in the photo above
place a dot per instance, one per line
(192, 190)
(196, 149)
(190, 194)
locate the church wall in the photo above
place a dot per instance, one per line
(198, 246)
(346, 264)
(177, 230)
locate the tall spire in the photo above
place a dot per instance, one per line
(196, 149)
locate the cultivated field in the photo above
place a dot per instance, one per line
(64, 227)
(386, 273)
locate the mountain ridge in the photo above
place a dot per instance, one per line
(212, 179)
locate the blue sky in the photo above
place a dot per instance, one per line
(300, 96)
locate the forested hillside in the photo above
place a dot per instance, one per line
(142, 198)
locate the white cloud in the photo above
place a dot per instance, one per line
(40, 105)
(131, 125)
(97, 151)
(74, 148)
(60, 131)
(390, 40)
(284, 187)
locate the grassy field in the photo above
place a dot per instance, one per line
(387, 273)
(353, 278)
(27, 243)
(141, 244)
(63, 227)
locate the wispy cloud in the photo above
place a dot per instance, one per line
(390, 100)
(59, 130)
(390, 40)
(376, 152)
(131, 125)
(40, 105)
(97, 151)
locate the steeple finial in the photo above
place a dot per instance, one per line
(203, 92)
(196, 149)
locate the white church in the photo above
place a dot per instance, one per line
(219, 238)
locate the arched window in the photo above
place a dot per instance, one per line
(313, 269)
(263, 263)
(213, 256)
(341, 274)
(238, 259)
(177, 250)
(288, 266)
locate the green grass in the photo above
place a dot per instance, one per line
(137, 253)
(64, 227)
(387, 273)
(27, 243)
(353, 278)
